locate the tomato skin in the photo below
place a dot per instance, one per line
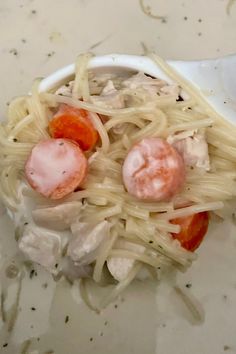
(193, 230)
(74, 124)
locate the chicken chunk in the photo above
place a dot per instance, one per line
(153, 87)
(41, 246)
(110, 97)
(120, 267)
(59, 217)
(87, 237)
(65, 90)
(73, 271)
(193, 147)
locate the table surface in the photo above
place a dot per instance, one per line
(38, 37)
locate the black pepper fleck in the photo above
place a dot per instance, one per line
(63, 172)
(67, 85)
(199, 20)
(225, 102)
(56, 265)
(188, 285)
(101, 334)
(15, 140)
(91, 339)
(32, 326)
(45, 285)
(116, 306)
(38, 339)
(32, 273)
(50, 54)
(13, 51)
(191, 167)
(150, 241)
(105, 323)
(23, 40)
(26, 223)
(199, 34)
(179, 99)
(225, 297)
(33, 308)
(31, 173)
(185, 18)
(67, 319)
(159, 268)
(5, 345)
(6, 175)
(61, 143)
(33, 12)
(8, 103)
(226, 347)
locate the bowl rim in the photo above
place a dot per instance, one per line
(200, 73)
(122, 61)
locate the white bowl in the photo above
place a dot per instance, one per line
(215, 78)
(149, 318)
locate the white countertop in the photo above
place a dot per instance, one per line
(38, 37)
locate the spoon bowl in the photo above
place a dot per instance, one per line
(215, 78)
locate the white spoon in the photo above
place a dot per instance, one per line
(215, 78)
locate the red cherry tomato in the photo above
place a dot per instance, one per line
(74, 124)
(193, 230)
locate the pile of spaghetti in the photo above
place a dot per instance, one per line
(115, 176)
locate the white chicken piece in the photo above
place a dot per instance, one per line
(120, 267)
(119, 129)
(193, 147)
(87, 237)
(153, 87)
(110, 97)
(41, 246)
(73, 271)
(65, 90)
(170, 90)
(59, 217)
